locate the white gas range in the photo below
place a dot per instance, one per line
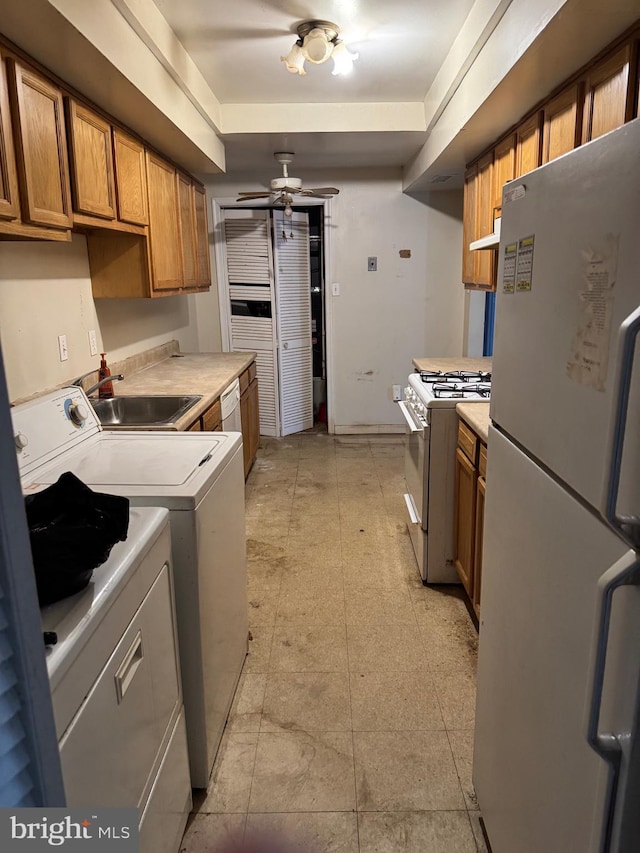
(429, 408)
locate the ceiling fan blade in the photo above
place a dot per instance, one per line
(245, 196)
(321, 191)
(290, 190)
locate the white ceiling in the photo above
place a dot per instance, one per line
(237, 47)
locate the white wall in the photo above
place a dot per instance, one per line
(45, 291)
(409, 307)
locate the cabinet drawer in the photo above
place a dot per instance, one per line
(211, 419)
(467, 441)
(482, 462)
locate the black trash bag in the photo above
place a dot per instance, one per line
(72, 531)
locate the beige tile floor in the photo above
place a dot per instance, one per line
(352, 726)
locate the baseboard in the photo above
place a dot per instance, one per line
(368, 429)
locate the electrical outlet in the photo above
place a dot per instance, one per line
(397, 392)
(93, 342)
(372, 264)
(335, 289)
(62, 347)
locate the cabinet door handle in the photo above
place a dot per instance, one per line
(129, 666)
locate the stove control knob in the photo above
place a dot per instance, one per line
(78, 413)
(21, 440)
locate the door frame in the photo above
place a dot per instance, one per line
(220, 204)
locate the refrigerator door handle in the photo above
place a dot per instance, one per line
(608, 745)
(628, 526)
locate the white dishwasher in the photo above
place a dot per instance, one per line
(115, 683)
(230, 408)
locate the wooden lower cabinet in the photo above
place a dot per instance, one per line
(250, 416)
(481, 488)
(212, 418)
(470, 486)
(465, 482)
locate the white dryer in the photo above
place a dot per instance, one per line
(199, 478)
(115, 686)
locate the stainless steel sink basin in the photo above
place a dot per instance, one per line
(147, 411)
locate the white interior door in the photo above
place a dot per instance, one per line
(293, 312)
(251, 303)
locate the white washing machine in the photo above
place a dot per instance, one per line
(199, 478)
(115, 684)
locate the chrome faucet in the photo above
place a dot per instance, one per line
(116, 378)
(80, 379)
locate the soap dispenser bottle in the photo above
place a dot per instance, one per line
(105, 390)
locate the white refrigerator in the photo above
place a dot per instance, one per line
(557, 756)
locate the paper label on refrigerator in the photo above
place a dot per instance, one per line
(524, 264)
(589, 357)
(512, 194)
(509, 268)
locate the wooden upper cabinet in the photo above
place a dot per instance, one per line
(562, 123)
(478, 267)
(504, 167)
(131, 178)
(164, 225)
(92, 182)
(203, 274)
(9, 204)
(528, 144)
(469, 222)
(608, 99)
(187, 230)
(41, 148)
(484, 259)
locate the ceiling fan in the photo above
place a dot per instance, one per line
(285, 188)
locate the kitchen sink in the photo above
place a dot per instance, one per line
(144, 411)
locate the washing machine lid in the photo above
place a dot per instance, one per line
(176, 469)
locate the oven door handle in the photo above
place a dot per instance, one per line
(407, 416)
(413, 515)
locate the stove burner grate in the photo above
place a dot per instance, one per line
(447, 390)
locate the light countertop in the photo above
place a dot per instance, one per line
(207, 374)
(476, 415)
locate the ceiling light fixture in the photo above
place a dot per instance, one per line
(318, 41)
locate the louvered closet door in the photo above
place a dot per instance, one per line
(293, 309)
(252, 325)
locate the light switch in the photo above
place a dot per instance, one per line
(93, 342)
(335, 289)
(62, 347)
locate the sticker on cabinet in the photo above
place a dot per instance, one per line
(589, 357)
